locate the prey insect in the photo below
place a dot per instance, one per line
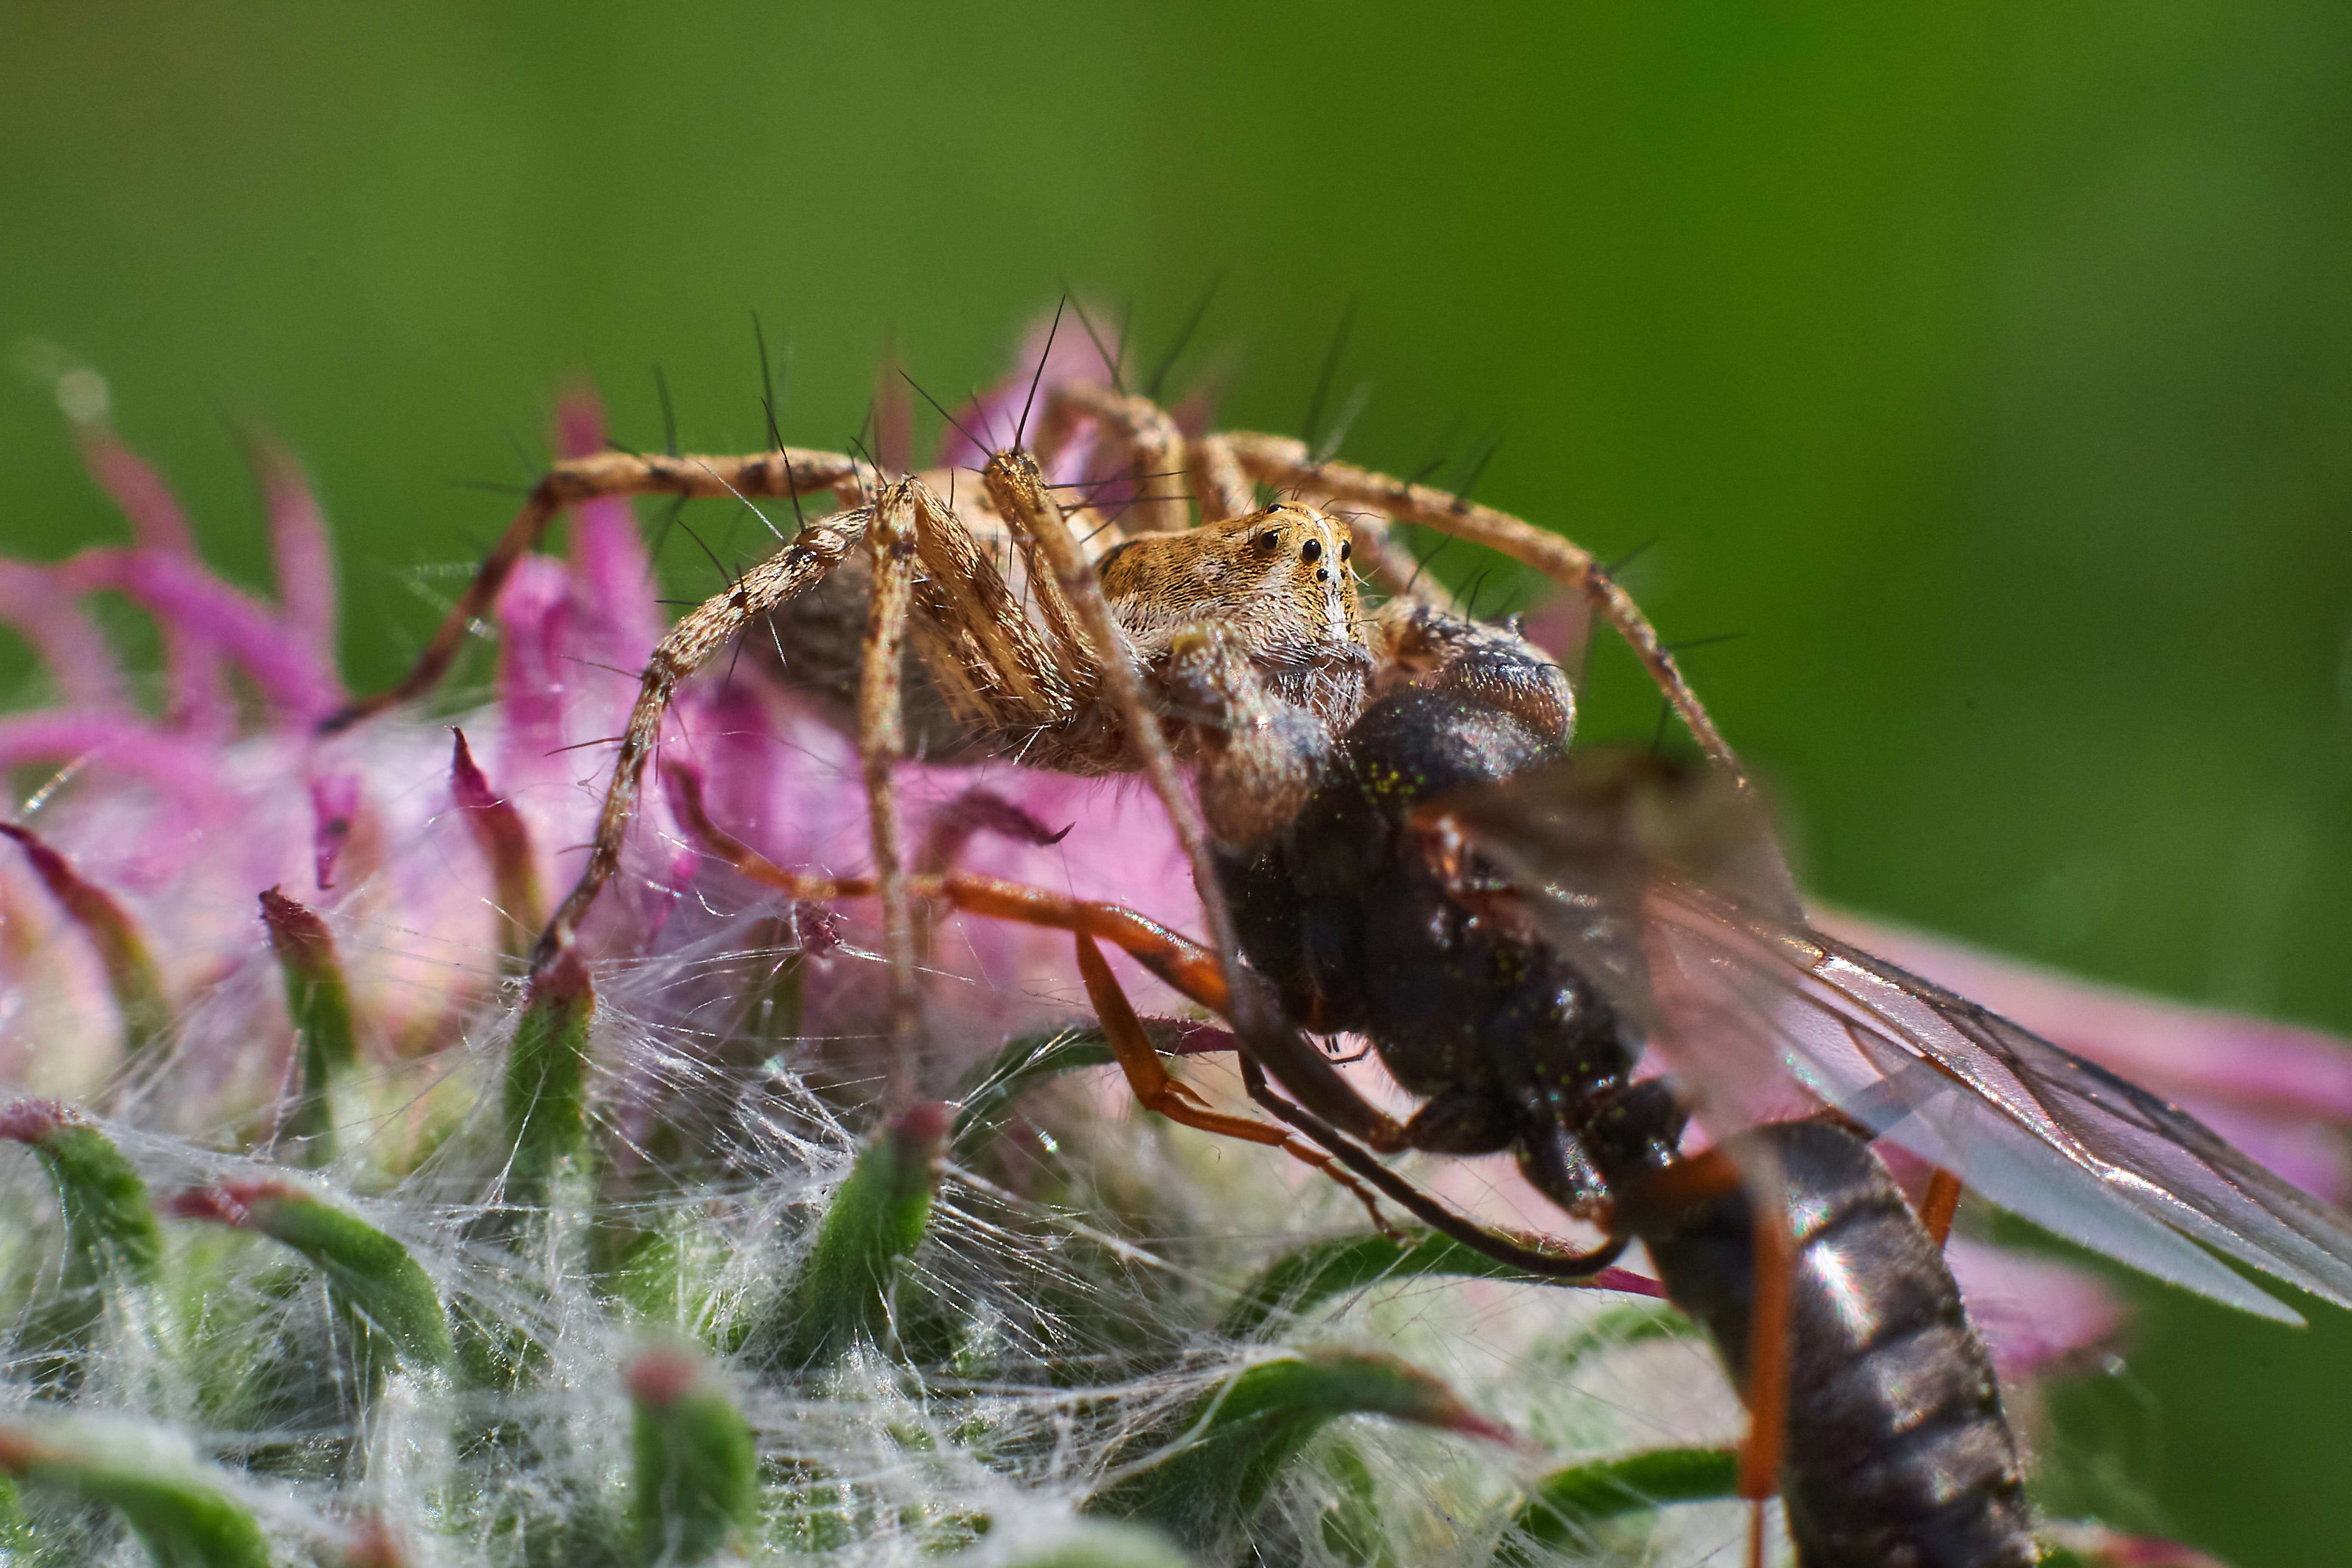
(1386, 844)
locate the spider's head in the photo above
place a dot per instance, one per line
(1278, 579)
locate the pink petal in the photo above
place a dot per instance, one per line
(187, 600)
(64, 639)
(185, 769)
(299, 545)
(534, 616)
(199, 700)
(613, 577)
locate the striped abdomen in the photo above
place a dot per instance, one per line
(1898, 1455)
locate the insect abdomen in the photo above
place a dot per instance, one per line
(1898, 1455)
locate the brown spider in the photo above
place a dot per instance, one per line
(1068, 639)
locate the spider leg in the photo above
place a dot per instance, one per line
(780, 473)
(999, 673)
(1155, 447)
(881, 740)
(1278, 461)
(1160, 1090)
(692, 643)
(1220, 488)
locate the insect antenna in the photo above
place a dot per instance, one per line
(1330, 367)
(1167, 361)
(1021, 429)
(1110, 362)
(950, 419)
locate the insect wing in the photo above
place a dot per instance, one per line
(1756, 1010)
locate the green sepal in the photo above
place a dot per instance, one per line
(1101, 1544)
(546, 1097)
(842, 1293)
(319, 1003)
(182, 1514)
(1562, 1508)
(1236, 1443)
(1020, 1066)
(1301, 1281)
(132, 972)
(367, 1274)
(112, 1239)
(697, 1466)
(505, 841)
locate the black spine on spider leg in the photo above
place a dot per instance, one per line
(1175, 349)
(1897, 1451)
(1109, 360)
(1021, 427)
(1307, 426)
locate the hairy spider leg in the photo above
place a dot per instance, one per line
(881, 742)
(781, 473)
(1156, 453)
(697, 638)
(1007, 675)
(1280, 461)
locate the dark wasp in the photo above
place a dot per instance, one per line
(1510, 928)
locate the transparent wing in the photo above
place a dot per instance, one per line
(1749, 1004)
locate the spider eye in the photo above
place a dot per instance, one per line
(1311, 551)
(1269, 541)
(1347, 550)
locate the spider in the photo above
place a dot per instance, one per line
(1094, 640)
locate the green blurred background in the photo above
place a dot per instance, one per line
(1990, 368)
